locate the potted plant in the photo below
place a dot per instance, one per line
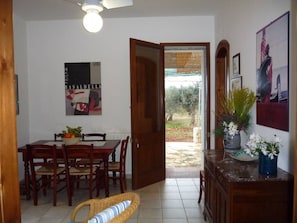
(266, 150)
(71, 135)
(235, 116)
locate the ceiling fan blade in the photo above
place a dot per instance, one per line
(76, 2)
(111, 4)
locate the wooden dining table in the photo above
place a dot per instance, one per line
(102, 150)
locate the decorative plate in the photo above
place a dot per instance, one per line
(242, 156)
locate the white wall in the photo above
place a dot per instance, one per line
(21, 69)
(238, 23)
(52, 43)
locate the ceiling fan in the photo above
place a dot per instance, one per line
(92, 20)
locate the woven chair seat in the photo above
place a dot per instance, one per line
(113, 166)
(80, 171)
(49, 171)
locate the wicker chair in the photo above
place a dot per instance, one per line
(98, 205)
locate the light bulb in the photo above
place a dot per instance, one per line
(92, 21)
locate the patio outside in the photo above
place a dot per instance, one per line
(183, 148)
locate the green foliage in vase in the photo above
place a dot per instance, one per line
(72, 131)
(235, 108)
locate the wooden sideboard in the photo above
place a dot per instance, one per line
(236, 193)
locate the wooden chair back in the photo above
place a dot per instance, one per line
(43, 162)
(93, 136)
(79, 168)
(58, 137)
(123, 153)
(118, 168)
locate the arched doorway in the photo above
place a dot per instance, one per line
(222, 71)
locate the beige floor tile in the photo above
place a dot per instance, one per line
(174, 213)
(172, 204)
(173, 200)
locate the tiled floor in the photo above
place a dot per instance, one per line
(173, 200)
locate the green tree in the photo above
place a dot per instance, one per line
(172, 102)
(190, 99)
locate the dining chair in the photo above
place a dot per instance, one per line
(80, 169)
(58, 137)
(44, 173)
(115, 209)
(93, 136)
(118, 168)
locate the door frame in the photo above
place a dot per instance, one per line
(222, 76)
(206, 124)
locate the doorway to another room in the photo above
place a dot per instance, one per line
(185, 80)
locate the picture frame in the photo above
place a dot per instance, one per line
(272, 73)
(236, 64)
(83, 88)
(236, 83)
(16, 83)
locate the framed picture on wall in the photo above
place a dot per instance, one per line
(236, 83)
(272, 61)
(236, 64)
(16, 84)
(83, 88)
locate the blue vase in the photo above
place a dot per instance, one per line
(231, 142)
(267, 166)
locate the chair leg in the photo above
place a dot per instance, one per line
(69, 190)
(55, 191)
(123, 182)
(114, 176)
(34, 191)
(201, 185)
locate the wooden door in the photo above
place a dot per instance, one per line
(9, 180)
(147, 113)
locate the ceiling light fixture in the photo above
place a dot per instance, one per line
(92, 21)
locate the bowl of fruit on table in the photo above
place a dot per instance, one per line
(71, 135)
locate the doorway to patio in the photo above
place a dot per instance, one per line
(185, 71)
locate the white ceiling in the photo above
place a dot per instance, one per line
(65, 9)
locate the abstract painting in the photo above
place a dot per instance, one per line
(83, 88)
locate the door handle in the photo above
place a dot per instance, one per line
(137, 144)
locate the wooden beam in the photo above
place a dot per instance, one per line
(9, 180)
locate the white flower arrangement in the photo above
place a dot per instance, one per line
(231, 128)
(258, 144)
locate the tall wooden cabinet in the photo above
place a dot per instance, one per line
(236, 193)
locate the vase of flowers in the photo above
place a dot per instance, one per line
(266, 150)
(232, 138)
(234, 116)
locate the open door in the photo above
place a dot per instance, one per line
(147, 113)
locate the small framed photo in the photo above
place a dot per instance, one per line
(16, 83)
(236, 83)
(236, 64)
